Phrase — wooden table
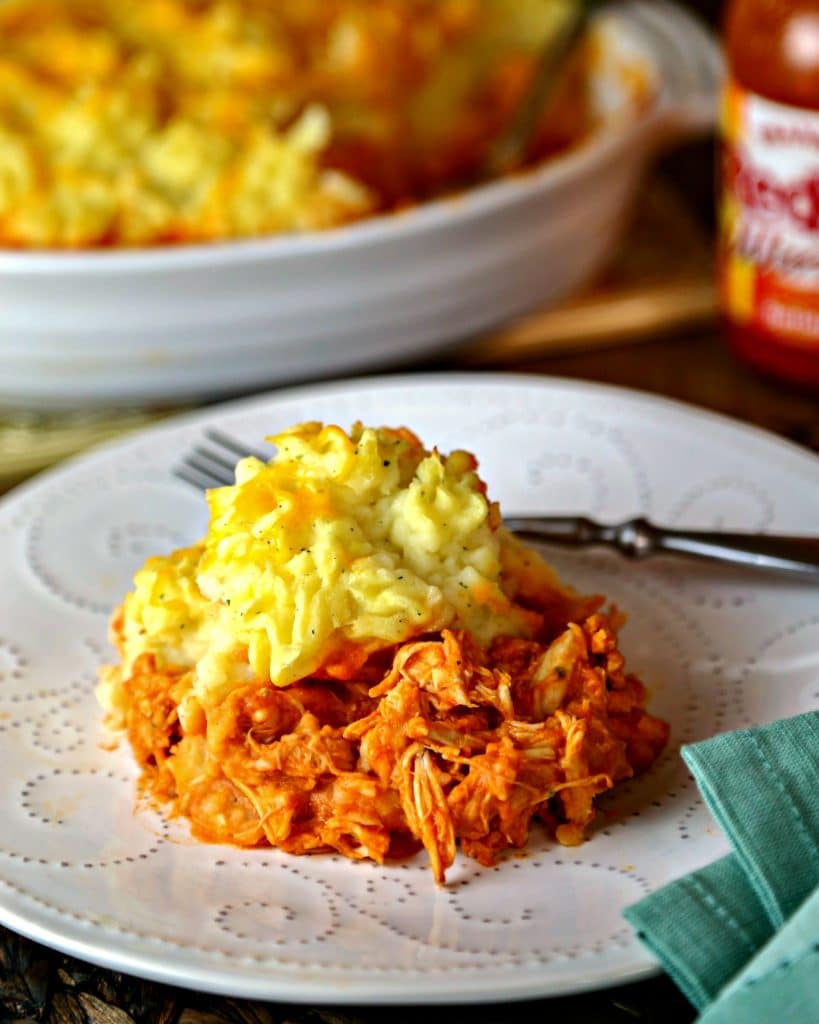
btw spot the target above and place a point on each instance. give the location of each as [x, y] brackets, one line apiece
[37, 984]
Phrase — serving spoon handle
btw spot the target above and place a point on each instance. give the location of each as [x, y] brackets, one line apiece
[507, 151]
[640, 538]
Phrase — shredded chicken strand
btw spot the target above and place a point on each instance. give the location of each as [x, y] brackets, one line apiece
[455, 746]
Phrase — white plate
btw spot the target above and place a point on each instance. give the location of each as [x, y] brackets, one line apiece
[80, 870]
[177, 322]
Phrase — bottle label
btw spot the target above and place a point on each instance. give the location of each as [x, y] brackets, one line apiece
[769, 217]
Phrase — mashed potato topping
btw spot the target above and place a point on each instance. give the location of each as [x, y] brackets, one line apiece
[359, 657]
[152, 122]
[340, 546]
[167, 121]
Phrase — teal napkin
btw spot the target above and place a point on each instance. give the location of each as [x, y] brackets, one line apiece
[741, 936]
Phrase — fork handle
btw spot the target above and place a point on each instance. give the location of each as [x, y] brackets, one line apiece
[639, 538]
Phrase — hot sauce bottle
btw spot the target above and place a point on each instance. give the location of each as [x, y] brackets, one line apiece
[769, 211]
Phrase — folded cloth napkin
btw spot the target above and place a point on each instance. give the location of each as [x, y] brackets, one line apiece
[741, 936]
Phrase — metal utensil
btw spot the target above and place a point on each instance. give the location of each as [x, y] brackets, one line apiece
[212, 464]
[509, 149]
[640, 538]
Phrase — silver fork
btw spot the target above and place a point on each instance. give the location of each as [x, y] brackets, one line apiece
[212, 463]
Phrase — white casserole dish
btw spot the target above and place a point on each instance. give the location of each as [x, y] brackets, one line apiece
[173, 324]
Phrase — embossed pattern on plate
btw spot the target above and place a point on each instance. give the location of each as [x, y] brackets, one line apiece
[80, 869]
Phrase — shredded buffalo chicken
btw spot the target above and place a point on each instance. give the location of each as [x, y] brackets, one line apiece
[448, 745]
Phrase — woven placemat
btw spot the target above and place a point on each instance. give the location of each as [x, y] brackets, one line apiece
[31, 441]
[37, 984]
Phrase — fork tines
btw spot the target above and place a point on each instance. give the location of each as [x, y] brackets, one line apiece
[213, 464]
